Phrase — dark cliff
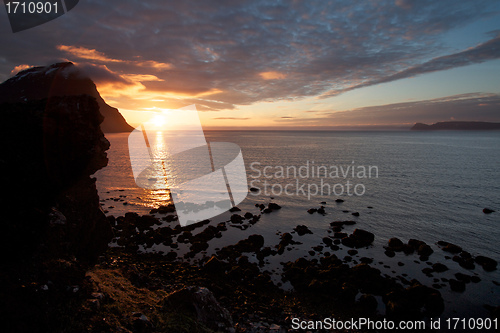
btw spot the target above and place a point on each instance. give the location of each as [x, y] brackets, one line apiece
[53, 229]
[457, 126]
[61, 79]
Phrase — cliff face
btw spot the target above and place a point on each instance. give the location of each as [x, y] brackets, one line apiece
[61, 79]
[53, 229]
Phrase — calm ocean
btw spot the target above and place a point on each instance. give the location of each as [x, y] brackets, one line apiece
[426, 185]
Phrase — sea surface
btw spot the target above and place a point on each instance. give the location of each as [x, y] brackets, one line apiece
[429, 186]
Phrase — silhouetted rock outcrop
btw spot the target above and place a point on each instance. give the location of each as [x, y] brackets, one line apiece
[61, 79]
[457, 126]
[53, 229]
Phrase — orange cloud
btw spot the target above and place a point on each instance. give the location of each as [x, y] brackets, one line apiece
[19, 68]
[84, 53]
[92, 54]
[272, 75]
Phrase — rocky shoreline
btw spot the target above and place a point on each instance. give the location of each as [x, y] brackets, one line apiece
[241, 284]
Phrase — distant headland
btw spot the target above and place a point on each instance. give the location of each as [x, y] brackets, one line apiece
[457, 126]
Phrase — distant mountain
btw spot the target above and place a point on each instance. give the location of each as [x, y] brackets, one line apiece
[457, 126]
[61, 79]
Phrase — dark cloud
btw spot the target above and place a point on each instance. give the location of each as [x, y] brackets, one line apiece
[196, 47]
[483, 52]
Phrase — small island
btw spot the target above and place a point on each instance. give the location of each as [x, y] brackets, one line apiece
[457, 126]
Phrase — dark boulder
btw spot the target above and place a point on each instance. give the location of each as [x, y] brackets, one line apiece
[359, 238]
[488, 211]
[425, 250]
[214, 266]
[439, 268]
[452, 248]
[252, 244]
[488, 264]
[199, 304]
[302, 230]
[456, 285]
[273, 206]
[395, 244]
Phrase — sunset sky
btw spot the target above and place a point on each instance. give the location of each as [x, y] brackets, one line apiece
[279, 64]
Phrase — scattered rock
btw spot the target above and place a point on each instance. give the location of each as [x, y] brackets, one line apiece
[488, 264]
[389, 253]
[302, 230]
[439, 268]
[425, 250]
[359, 238]
[488, 211]
[395, 243]
[273, 206]
[200, 304]
[455, 285]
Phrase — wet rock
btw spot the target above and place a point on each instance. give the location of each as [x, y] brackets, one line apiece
[467, 263]
[342, 223]
[254, 189]
[198, 247]
[359, 238]
[248, 215]
[488, 264]
[340, 235]
[452, 248]
[463, 277]
[488, 211]
[475, 279]
[321, 210]
[456, 285]
[327, 241]
[355, 214]
[170, 208]
[318, 248]
[390, 253]
[312, 210]
[339, 200]
[302, 230]
[415, 243]
[235, 218]
[234, 209]
[366, 260]
[439, 268]
[251, 244]
[273, 206]
[395, 244]
[425, 250]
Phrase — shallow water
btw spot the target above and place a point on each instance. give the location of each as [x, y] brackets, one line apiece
[430, 186]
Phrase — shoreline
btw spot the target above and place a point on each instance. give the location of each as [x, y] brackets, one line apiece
[319, 282]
